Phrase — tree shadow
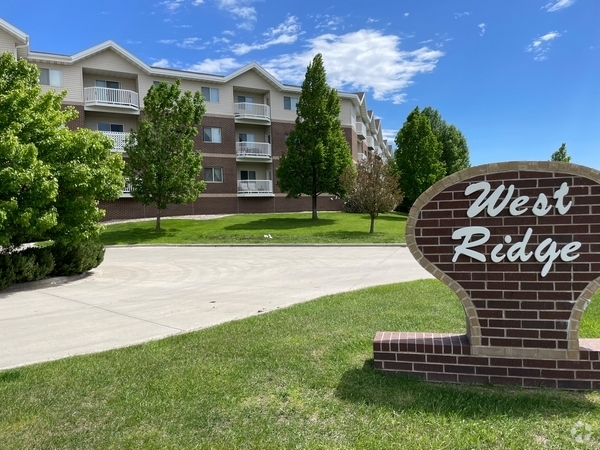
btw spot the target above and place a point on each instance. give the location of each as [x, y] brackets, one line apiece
[135, 235]
[405, 393]
[281, 223]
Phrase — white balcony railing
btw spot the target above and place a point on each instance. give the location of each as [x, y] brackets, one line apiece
[252, 111]
[361, 130]
[118, 138]
[362, 157]
[100, 96]
[370, 142]
[255, 186]
[253, 149]
[126, 191]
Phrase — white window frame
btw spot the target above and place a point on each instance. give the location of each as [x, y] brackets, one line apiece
[104, 84]
[212, 171]
[248, 173]
[54, 77]
[212, 137]
[293, 103]
[110, 126]
[210, 94]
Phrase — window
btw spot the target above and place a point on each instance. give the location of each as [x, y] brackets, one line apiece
[213, 174]
[108, 84]
[116, 127]
[290, 102]
[247, 174]
[212, 134]
[245, 137]
[210, 94]
[156, 83]
[51, 77]
[245, 99]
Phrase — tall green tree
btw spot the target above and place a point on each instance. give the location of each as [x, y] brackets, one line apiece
[317, 151]
[371, 188]
[455, 151]
[163, 166]
[51, 177]
[418, 157]
[561, 154]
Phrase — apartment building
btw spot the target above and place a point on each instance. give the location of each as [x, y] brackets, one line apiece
[249, 113]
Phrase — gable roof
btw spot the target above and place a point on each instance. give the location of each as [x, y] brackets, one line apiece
[14, 32]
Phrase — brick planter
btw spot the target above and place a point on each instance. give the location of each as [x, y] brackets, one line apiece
[524, 265]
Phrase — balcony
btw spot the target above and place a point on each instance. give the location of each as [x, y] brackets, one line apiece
[370, 142]
[118, 138]
[255, 188]
[255, 113]
[126, 191]
[361, 130]
[362, 157]
[253, 151]
[108, 99]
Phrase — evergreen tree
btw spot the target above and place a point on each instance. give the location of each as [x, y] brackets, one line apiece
[418, 157]
[561, 154]
[317, 151]
[163, 165]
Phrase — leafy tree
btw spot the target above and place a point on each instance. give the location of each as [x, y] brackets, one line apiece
[163, 165]
[455, 151]
[317, 151]
[51, 177]
[371, 188]
[418, 157]
[561, 154]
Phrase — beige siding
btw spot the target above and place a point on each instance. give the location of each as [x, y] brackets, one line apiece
[259, 132]
[89, 80]
[128, 121]
[7, 43]
[225, 104]
[259, 168]
[110, 61]
[251, 79]
[277, 111]
[71, 81]
[347, 112]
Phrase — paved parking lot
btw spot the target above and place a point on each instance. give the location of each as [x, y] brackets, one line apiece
[143, 293]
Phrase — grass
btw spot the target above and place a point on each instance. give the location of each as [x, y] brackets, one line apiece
[297, 228]
[300, 377]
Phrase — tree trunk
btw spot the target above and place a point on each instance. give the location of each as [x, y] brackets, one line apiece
[157, 220]
[314, 208]
[372, 224]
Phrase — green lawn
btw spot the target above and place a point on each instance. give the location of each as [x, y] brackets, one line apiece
[297, 228]
[299, 377]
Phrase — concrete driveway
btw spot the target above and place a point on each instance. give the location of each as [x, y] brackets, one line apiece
[143, 293]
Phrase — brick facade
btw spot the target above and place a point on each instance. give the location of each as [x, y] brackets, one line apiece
[514, 309]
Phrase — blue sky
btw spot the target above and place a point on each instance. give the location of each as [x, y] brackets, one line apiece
[517, 77]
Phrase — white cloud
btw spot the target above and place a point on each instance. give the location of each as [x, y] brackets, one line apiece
[197, 2]
[131, 41]
[172, 5]
[406, 14]
[241, 9]
[286, 32]
[190, 43]
[352, 64]
[215, 66]
[164, 63]
[461, 14]
[167, 41]
[389, 134]
[558, 5]
[541, 45]
[371, 20]
[328, 21]
[481, 29]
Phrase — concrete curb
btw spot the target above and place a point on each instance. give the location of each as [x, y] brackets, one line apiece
[253, 245]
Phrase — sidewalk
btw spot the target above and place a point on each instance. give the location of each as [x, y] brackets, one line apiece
[143, 293]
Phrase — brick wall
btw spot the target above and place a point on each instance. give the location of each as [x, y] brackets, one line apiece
[513, 309]
[79, 122]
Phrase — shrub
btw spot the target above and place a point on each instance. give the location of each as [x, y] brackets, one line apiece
[74, 258]
[30, 264]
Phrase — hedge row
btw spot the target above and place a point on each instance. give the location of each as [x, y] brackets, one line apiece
[36, 263]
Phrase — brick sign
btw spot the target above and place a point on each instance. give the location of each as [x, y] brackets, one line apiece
[519, 243]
